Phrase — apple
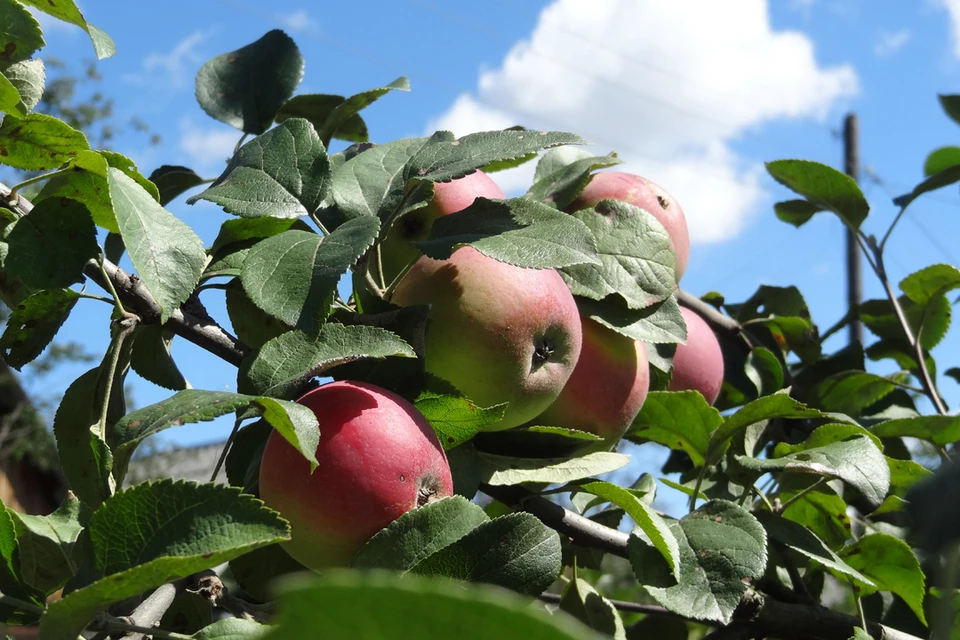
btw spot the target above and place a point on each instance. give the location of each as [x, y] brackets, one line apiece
[607, 388]
[636, 190]
[497, 332]
[379, 458]
[698, 364]
[397, 249]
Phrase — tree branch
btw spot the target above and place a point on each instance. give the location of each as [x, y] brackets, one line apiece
[720, 323]
[190, 322]
[757, 614]
[149, 612]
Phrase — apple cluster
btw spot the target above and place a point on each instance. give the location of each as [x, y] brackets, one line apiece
[500, 334]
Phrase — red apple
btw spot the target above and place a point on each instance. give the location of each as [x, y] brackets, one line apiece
[379, 458]
[397, 250]
[607, 388]
[635, 190]
[698, 364]
[497, 332]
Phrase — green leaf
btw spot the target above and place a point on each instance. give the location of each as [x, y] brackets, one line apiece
[245, 88]
[722, 549]
[293, 275]
[67, 11]
[776, 405]
[506, 470]
[636, 255]
[922, 286]
[943, 178]
[796, 212]
[283, 173]
[519, 231]
[155, 533]
[938, 430]
[49, 248]
[930, 320]
[442, 159]
[515, 551]
[940, 159]
[84, 456]
[562, 185]
[238, 231]
[652, 525]
[151, 357]
[172, 180]
[455, 418]
[90, 185]
[819, 509]
[857, 461]
[340, 602]
[851, 391]
[27, 78]
[233, 629]
[556, 159]
[824, 186]
[826, 434]
[33, 323]
[10, 98]
[679, 420]
[806, 543]
[346, 111]
[253, 326]
[891, 565]
[285, 363]
[45, 545]
[951, 106]
[586, 605]
[10, 581]
[419, 533]
[166, 253]
[317, 107]
[20, 35]
[904, 474]
[38, 142]
[372, 183]
[660, 323]
[295, 422]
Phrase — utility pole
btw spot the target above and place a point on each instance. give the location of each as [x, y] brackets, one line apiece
[851, 166]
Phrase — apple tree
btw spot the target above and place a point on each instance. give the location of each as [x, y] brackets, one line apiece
[512, 343]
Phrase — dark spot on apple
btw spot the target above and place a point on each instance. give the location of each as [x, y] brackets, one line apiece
[543, 352]
[403, 478]
[664, 204]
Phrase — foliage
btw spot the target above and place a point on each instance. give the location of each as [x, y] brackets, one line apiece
[802, 476]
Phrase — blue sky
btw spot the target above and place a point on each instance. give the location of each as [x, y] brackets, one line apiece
[694, 94]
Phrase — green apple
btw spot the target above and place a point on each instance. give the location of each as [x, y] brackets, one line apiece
[698, 364]
[379, 458]
[650, 197]
[607, 388]
[497, 332]
[397, 249]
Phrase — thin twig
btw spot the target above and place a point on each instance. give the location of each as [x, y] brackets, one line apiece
[226, 449]
[623, 605]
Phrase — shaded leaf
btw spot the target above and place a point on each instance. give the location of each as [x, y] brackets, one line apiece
[21, 34]
[347, 110]
[293, 275]
[942, 178]
[49, 248]
[940, 159]
[33, 323]
[561, 186]
[796, 212]
[151, 358]
[67, 11]
[317, 107]
[505, 470]
[419, 533]
[28, 78]
[660, 323]
[45, 544]
[172, 180]
[586, 605]
[245, 88]
[891, 565]
[285, 363]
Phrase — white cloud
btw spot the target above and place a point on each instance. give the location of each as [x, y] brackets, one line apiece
[669, 97]
[208, 148]
[170, 69]
[953, 8]
[298, 21]
[889, 42]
